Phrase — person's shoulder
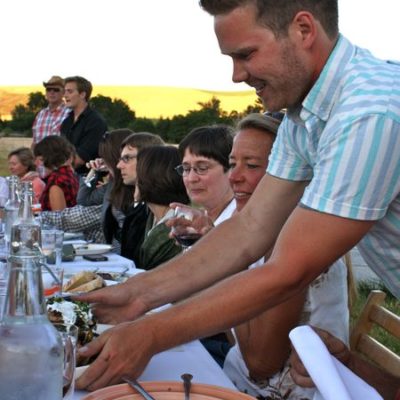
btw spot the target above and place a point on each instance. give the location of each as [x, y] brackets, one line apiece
[89, 111]
[37, 181]
[93, 115]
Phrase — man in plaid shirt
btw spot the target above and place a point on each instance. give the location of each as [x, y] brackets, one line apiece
[85, 219]
[48, 121]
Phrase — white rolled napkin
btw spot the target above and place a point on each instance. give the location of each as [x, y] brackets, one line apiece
[333, 380]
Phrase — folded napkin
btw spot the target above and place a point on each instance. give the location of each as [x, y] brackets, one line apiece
[333, 380]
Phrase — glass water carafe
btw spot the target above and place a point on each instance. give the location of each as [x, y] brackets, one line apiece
[25, 235]
[31, 352]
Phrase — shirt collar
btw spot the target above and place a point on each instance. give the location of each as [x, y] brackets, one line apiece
[60, 107]
[323, 95]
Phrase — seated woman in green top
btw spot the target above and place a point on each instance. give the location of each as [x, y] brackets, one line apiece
[158, 185]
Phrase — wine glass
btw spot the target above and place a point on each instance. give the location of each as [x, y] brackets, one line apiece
[189, 225]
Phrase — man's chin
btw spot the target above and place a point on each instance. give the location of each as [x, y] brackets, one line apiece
[270, 105]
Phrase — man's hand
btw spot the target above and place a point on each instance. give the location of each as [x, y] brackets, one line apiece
[114, 304]
[122, 350]
[335, 346]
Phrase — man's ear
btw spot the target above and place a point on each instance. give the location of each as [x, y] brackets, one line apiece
[304, 26]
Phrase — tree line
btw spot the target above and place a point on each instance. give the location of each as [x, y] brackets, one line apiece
[118, 115]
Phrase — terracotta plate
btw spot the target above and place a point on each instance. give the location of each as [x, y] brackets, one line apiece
[167, 391]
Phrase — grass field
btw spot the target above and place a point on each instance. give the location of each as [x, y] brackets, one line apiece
[146, 101]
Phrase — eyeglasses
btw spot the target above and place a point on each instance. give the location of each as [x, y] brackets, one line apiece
[184, 169]
[126, 158]
[53, 89]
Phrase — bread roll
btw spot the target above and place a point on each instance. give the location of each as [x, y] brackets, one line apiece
[84, 281]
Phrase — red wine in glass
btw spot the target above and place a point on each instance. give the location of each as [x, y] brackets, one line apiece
[187, 239]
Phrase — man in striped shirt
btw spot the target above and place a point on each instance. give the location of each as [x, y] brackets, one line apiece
[48, 121]
[333, 181]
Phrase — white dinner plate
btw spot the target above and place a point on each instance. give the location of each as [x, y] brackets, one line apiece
[91, 249]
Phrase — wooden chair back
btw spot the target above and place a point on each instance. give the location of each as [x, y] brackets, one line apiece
[375, 314]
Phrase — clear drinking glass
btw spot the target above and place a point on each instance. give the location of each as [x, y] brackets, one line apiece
[53, 272]
[189, 225]
[69, 337]
[3, 201]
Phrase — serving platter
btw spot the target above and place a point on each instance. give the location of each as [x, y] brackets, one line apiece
[91, 249]
[167, 391]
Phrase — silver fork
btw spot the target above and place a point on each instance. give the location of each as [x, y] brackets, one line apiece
[138, 387]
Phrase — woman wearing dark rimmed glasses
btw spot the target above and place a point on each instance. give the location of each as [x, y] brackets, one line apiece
[204, 169]
[205, 172]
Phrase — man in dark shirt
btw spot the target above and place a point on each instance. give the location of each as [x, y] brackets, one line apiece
[84, 127]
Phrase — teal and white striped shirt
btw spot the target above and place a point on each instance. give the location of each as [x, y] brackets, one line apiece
[346, 141]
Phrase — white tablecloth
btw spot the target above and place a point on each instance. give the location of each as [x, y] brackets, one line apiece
[170, 365]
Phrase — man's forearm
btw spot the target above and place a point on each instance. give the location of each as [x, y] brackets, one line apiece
[227, 249]
[209, 261]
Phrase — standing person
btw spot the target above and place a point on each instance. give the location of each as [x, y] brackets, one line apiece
[333, 182]
[48, 121]
[84, 127]
[55, 154]
[22, 164]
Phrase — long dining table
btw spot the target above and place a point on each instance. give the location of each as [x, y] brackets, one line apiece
[169, 365]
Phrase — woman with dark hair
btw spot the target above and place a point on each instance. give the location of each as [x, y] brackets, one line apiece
[205, 165]
[158, 185]
[115, 197]
[205, 172]
[22, 164]
[55, 153]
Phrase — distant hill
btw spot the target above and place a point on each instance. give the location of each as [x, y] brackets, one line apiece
[146, 101]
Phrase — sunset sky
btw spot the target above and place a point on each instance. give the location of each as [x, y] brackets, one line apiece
[148, 42]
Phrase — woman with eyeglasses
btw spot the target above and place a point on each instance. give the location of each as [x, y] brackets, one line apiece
[204, 169]
[205, 172]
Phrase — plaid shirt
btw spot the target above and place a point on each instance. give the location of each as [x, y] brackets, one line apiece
[65, 178]
[48, 122]
[77, 219]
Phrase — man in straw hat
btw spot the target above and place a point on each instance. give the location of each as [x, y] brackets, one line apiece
[48, 120]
